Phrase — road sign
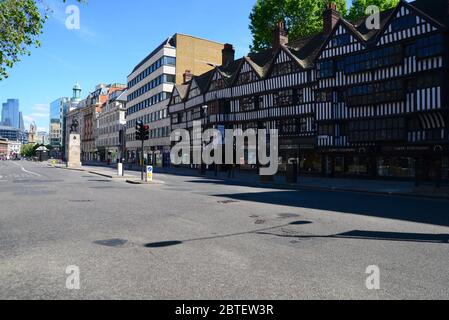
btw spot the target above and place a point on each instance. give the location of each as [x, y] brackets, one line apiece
[149, 173]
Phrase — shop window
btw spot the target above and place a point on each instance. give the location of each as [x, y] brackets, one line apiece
[396, 167]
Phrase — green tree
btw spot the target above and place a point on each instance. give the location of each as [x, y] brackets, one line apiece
[28, 151]
[358, 7]
[21, 23]
[302, 18]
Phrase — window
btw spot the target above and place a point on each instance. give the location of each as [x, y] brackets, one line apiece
[247, 77]
[326, 69]
[217, 84]
[285, 97]
[430, 46]
[288, 126]
[284, 68]
[374, 93]
[341, 40]
[323, 96]
[370, 60]
[403, 23]
[377, 130]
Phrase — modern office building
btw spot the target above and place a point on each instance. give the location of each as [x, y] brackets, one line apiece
[13, 134]
[111, 120]
[348, 101]
[58, 110]
[11, 114]
[151, 83]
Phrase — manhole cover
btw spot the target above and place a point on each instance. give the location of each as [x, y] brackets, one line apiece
[112, 242]
[288, 215]
[227, 201]
[80, 201]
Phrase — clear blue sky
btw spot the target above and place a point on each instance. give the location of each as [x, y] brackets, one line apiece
[114, 36]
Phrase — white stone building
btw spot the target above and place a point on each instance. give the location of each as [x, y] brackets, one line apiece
[110, 121]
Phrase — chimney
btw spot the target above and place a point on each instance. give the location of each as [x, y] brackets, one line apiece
[280, 35]
[228, 55]
[330, 17]
[187, 76]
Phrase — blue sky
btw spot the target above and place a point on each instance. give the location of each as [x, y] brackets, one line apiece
[114, 36]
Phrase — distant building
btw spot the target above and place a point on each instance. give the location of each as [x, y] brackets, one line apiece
[11, 114]
[95, 102]
[58, 110]
[43, 138]
[111, 120]
[3, 147]
[151, 83]
[14, 149]
[21, 123]
[32, 138]
[13, 134]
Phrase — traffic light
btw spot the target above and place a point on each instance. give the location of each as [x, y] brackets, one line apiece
[139, 130]
[146, 132]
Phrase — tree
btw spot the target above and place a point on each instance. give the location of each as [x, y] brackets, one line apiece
[302, 18]
[21, 23]
[359, 7]
[28, 151]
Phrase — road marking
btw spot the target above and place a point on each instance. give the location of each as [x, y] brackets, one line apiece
[25, 170]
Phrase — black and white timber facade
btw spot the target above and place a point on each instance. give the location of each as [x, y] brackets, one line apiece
[349, 101]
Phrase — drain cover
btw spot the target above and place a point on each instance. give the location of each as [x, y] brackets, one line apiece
[80, 201]
[227, 201]
[111, 242]
[288, 215]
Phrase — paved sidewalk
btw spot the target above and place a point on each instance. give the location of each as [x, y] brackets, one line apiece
[383, 187]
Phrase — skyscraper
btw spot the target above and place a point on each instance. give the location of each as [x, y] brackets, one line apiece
[21, 123]
[10, 113]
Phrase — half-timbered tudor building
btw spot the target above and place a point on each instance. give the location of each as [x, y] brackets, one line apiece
[349, 101]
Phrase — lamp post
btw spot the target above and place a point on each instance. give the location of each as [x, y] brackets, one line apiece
[203, 166]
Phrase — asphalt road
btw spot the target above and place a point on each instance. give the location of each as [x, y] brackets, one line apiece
[202, 239]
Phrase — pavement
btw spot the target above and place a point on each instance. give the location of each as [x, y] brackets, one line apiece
[205, 238]
[383, 187]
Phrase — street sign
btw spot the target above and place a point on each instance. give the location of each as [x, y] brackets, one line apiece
[149, 173]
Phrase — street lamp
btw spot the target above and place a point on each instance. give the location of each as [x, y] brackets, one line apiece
[203, 166]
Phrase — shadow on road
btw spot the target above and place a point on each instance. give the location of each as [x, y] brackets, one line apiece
[376, 235]
[418, 210]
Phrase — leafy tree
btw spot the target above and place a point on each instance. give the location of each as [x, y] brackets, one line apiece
[302, 17]
[21, 23]
[28, 151]
[358, 7]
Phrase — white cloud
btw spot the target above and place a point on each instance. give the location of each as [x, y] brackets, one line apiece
[41, 108]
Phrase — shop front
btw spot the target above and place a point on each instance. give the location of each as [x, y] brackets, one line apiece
[425, 163]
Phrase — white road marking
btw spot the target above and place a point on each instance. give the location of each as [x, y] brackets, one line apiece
[25, 170]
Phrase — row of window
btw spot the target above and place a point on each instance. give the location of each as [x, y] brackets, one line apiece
[295, 126]
[149, 118]
[164, 61]
[148, 102]
[165, 78]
